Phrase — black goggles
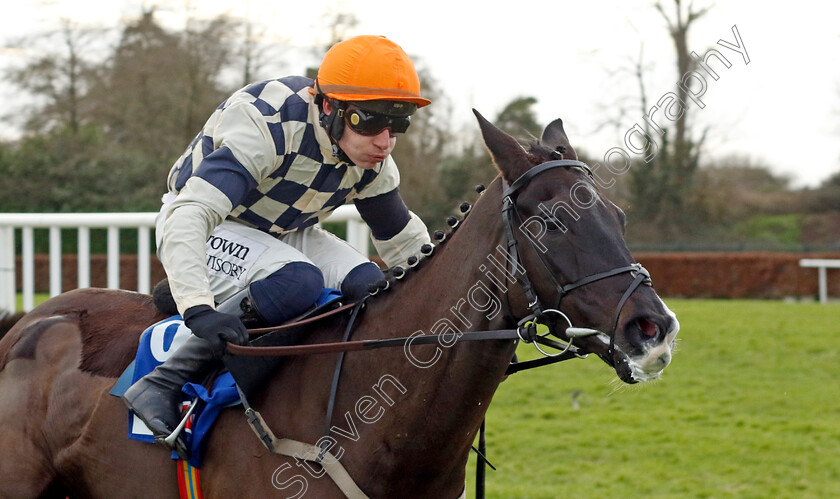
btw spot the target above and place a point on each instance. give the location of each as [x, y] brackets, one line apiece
[369, 123]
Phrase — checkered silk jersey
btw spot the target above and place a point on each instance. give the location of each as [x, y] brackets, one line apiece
[265, 151]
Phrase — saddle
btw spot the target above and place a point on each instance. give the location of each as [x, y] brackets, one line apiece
[251, 372]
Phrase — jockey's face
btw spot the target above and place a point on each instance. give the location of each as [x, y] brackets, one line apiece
[366, 151]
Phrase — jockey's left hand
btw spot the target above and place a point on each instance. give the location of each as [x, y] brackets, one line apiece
[216, 327]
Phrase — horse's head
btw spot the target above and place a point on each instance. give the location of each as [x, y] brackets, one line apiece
[570, 241]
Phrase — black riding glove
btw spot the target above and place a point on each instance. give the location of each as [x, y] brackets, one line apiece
[216, 327]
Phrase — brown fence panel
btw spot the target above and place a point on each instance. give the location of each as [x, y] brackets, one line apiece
[98, 272]
[736, 275]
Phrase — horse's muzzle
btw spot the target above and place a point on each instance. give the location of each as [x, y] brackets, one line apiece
[645, 347]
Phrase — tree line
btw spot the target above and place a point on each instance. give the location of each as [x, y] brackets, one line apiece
[106, 124]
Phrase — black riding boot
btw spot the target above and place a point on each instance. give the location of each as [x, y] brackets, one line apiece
[156, 397]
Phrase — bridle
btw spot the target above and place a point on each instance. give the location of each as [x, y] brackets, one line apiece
[512, 220]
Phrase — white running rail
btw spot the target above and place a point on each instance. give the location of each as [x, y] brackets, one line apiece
[357, 235]
[822, 265]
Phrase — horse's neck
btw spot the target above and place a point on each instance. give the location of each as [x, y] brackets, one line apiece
[447, 388]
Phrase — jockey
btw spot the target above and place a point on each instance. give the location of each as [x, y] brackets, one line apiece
[237, 234]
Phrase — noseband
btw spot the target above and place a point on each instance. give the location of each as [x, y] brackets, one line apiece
[511, 218]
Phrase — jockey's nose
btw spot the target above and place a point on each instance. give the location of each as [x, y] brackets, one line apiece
[382, 140]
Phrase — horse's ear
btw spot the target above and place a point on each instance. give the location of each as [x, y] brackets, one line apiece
[555, 137]
[509, 156]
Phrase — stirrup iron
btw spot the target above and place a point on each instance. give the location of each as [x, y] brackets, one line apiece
[172, 440]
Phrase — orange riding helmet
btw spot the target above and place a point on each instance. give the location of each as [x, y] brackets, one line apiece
[367, 68]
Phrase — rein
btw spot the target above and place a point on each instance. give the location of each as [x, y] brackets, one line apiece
[526, 332]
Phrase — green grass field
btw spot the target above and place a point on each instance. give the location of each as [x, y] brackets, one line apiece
[749, 408]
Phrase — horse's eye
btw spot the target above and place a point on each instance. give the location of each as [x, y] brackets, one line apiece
[552, 224]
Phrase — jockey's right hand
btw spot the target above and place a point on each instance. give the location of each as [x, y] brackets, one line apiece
[216, 327]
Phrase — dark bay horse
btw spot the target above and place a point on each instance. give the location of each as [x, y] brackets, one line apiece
[404, 418]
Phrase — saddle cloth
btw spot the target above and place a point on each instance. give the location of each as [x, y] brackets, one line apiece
[157, 343]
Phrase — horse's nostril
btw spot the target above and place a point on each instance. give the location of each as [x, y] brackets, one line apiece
[648, 328]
